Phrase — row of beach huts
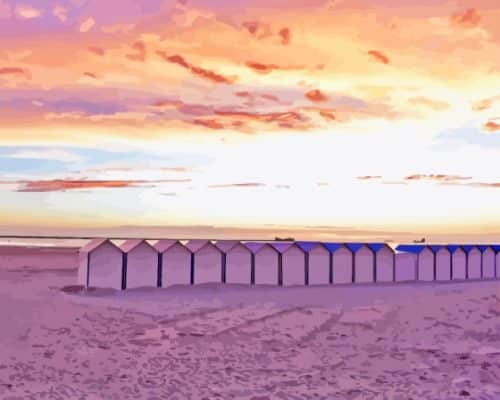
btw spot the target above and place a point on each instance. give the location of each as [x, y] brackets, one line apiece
[123, 264]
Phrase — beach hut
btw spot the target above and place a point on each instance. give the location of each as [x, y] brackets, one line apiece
[236, 260]
[496, 249]
[174, 261]
[140, 264]
[458, 262]
[473, 260]
[206, 261]
[342, 263]
[100, 264]
[442, 262]
[384, 262]
[407, 261]
[363, 262]
[487, 261]
[265, 263]
[291, 263]
[317, 263]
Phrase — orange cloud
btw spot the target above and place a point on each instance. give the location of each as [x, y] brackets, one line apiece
[469, 18]
[96, 50]
[379, 56]
[368, 177]
[437, 177]
[329, 116]
[491, 126]
[69, 184]
[435, 105]
[12, 71]
[285, 36]
[201, 72]
[261, 68]
[257, 29]
[90, 75]
[316, 95]
[140, 47]
[209, 123]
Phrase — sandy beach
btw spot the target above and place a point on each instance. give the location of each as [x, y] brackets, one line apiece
[426, 341]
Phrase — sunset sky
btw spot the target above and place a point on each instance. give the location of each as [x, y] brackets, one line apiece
[319, 119]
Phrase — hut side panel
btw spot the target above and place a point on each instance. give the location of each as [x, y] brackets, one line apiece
[385, 265]
[266, 267]
[293, 263]
[497, 264]
[208, 265]
[342, 266]
[426, 265]
[474, 264]
[238, 265]
[105, 267]
[458, 261]
[405, 267]
[319, 266]
[176, 266]
[443, 265]
[142, 267]
[364, 263]
[488, 264]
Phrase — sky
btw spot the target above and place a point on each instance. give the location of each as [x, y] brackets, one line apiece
[316, 119]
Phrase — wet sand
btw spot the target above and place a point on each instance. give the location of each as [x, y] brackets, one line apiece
[426, 341]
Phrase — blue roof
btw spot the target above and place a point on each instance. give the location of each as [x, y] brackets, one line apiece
[483, 247]
[331, 247]
[354, 247]
[411, 248]
[282, 246]
[376, 246]
[496, 247]
[454, 247]
[468, 247]
[307, 246]
[436, 247]
[255, 247]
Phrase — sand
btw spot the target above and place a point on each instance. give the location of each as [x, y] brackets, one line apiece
[409, 341]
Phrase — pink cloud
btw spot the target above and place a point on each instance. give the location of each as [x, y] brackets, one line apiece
[87, 25]
[316, 95]
[469, 18]
[140, 54]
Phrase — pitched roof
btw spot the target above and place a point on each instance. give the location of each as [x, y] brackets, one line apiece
[226, 245]
[95, 243]
[468, 247]
[130, 244]
[255, 247]
[332, 247]
[281, 247]
[483, 247]
[454, 247]
[411, 248]
[308, 246]
[378, 246]
[197, 244]
[164, 244]
[354, 247]
[436, 247]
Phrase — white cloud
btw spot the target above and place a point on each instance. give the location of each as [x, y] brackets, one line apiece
[87, 25]
[60, 12]
[54, 155]
[27, 12]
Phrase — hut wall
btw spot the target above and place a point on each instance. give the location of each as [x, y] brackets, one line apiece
[458, 262]
[488, 264]
[443, 265]
[142, 267]
[405, 267]
[238, 265]
[207, 265]
[176, 266]
[426, 265]
[319, 266]
[105, 267]
[364, 265]
[342, 266]
[385, 265]
[293, 267]
[266, 267]
[474, 264]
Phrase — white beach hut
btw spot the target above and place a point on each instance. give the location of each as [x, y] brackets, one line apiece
[140, 263]
[496, 249]
[443, 265]
[342, 263]
[207, 261]
[237, 261]
[291, 260]
[100, 264]
[384, 262]
[317, 263]
[265, 263]
[174, 261]
[407, 261]
[458, 262]
[473, 259]
[364, 262]
[488, 261]
[426, 264]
